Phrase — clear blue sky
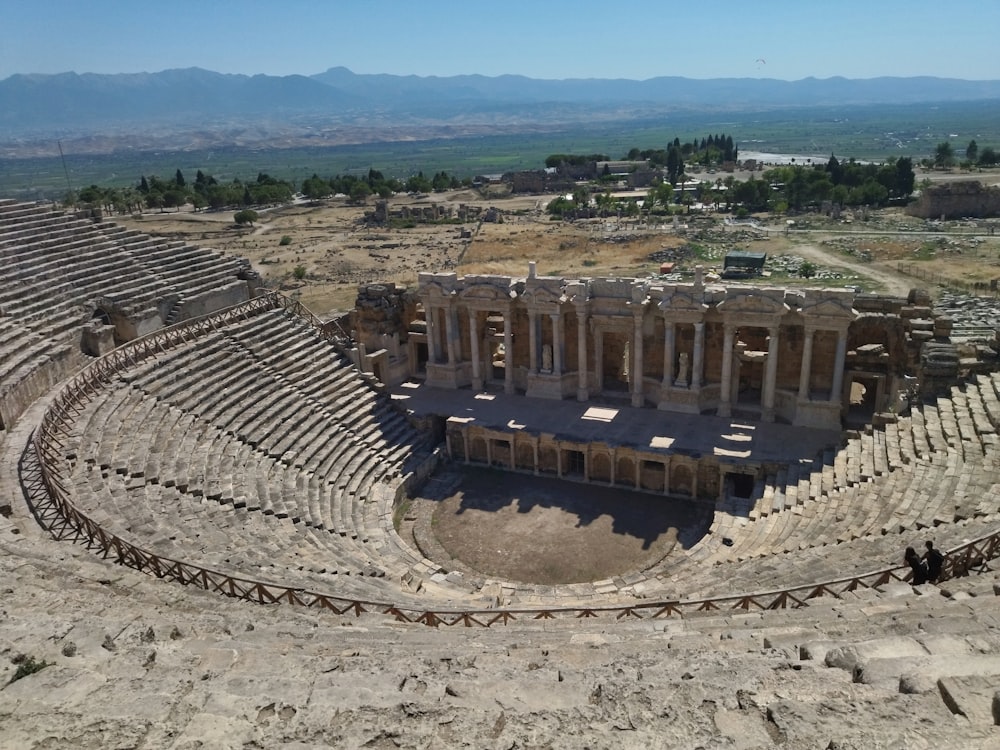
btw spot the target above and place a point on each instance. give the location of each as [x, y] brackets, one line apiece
[542, 38]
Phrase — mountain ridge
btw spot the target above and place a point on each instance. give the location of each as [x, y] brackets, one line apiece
[252, 108]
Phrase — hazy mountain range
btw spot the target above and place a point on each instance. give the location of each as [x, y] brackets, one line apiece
[201, 101]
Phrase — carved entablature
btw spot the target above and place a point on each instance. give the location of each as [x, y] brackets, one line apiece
[487, 292]
[828, 309]
[543, 294]
[437, 287]
[683, 304]
[753, 307]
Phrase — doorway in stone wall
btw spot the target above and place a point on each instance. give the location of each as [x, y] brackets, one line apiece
[616, 367]
[864, 397]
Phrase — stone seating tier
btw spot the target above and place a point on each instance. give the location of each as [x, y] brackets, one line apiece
[57, 268]
[180, 421]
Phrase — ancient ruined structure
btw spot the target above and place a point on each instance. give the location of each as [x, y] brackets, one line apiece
[75, 288]
[955, 200]
[200, 548]
[769, 354]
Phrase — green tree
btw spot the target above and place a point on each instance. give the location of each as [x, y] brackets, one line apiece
[988, 157]
[972, 151]
[174, 198]
[315, 188]
[179, 179]
[246, 216]
[675, 164]
[944, 155]
[359, 192]
[659, 195]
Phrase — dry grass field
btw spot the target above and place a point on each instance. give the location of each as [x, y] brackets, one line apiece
[334, 249]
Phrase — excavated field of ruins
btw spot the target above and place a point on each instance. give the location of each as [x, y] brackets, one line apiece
[336, 250]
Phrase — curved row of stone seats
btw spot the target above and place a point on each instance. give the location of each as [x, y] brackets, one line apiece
[801, 567]
[930, 469]
[58, 269]
[803, 670]
[223, 422]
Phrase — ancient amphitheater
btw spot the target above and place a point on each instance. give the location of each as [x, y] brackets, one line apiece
[205, 539]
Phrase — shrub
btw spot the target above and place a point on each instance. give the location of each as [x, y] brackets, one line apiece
[299, 272]
[285, 240]
[27, 666]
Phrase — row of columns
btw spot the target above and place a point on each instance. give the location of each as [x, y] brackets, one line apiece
[453, 350]
[771, 369]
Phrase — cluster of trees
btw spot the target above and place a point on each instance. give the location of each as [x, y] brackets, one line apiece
[205, 192]
[848, 184]
[573, 160]
[375, 183]
[796, 186]
[709, 151]
[944, 156]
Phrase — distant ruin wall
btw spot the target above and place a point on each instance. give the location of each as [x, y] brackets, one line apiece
[954, 200]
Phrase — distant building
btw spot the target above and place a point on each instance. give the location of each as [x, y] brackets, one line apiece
[953, 200]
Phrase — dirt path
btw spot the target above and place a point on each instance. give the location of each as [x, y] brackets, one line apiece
[891, 280]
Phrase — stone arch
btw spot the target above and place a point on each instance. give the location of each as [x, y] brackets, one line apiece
[477, 448]
[600, 467]
[524, 454]
[681, 480]
[625, 471]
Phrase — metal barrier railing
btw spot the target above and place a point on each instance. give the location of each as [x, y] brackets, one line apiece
[52, 434]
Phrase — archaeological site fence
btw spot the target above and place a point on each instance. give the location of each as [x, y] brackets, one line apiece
[52, 434]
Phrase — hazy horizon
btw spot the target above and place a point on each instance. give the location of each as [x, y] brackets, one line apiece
[557, 40]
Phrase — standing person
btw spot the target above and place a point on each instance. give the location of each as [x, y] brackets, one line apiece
[916, 565]
[934, 560]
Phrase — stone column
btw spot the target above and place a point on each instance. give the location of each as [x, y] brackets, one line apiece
[725, 392]
[451, 334]
[599, 359]
[637, 366]
[669, 334]
[582, 392]
[432, 349]
[532, 341]
[838, 366]
[557, 345]
[465, 445]
[805, 372]
[477, 377]
[513, 457]
[771, 374]
[489, 450]
[508, 352]
[698, 365]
